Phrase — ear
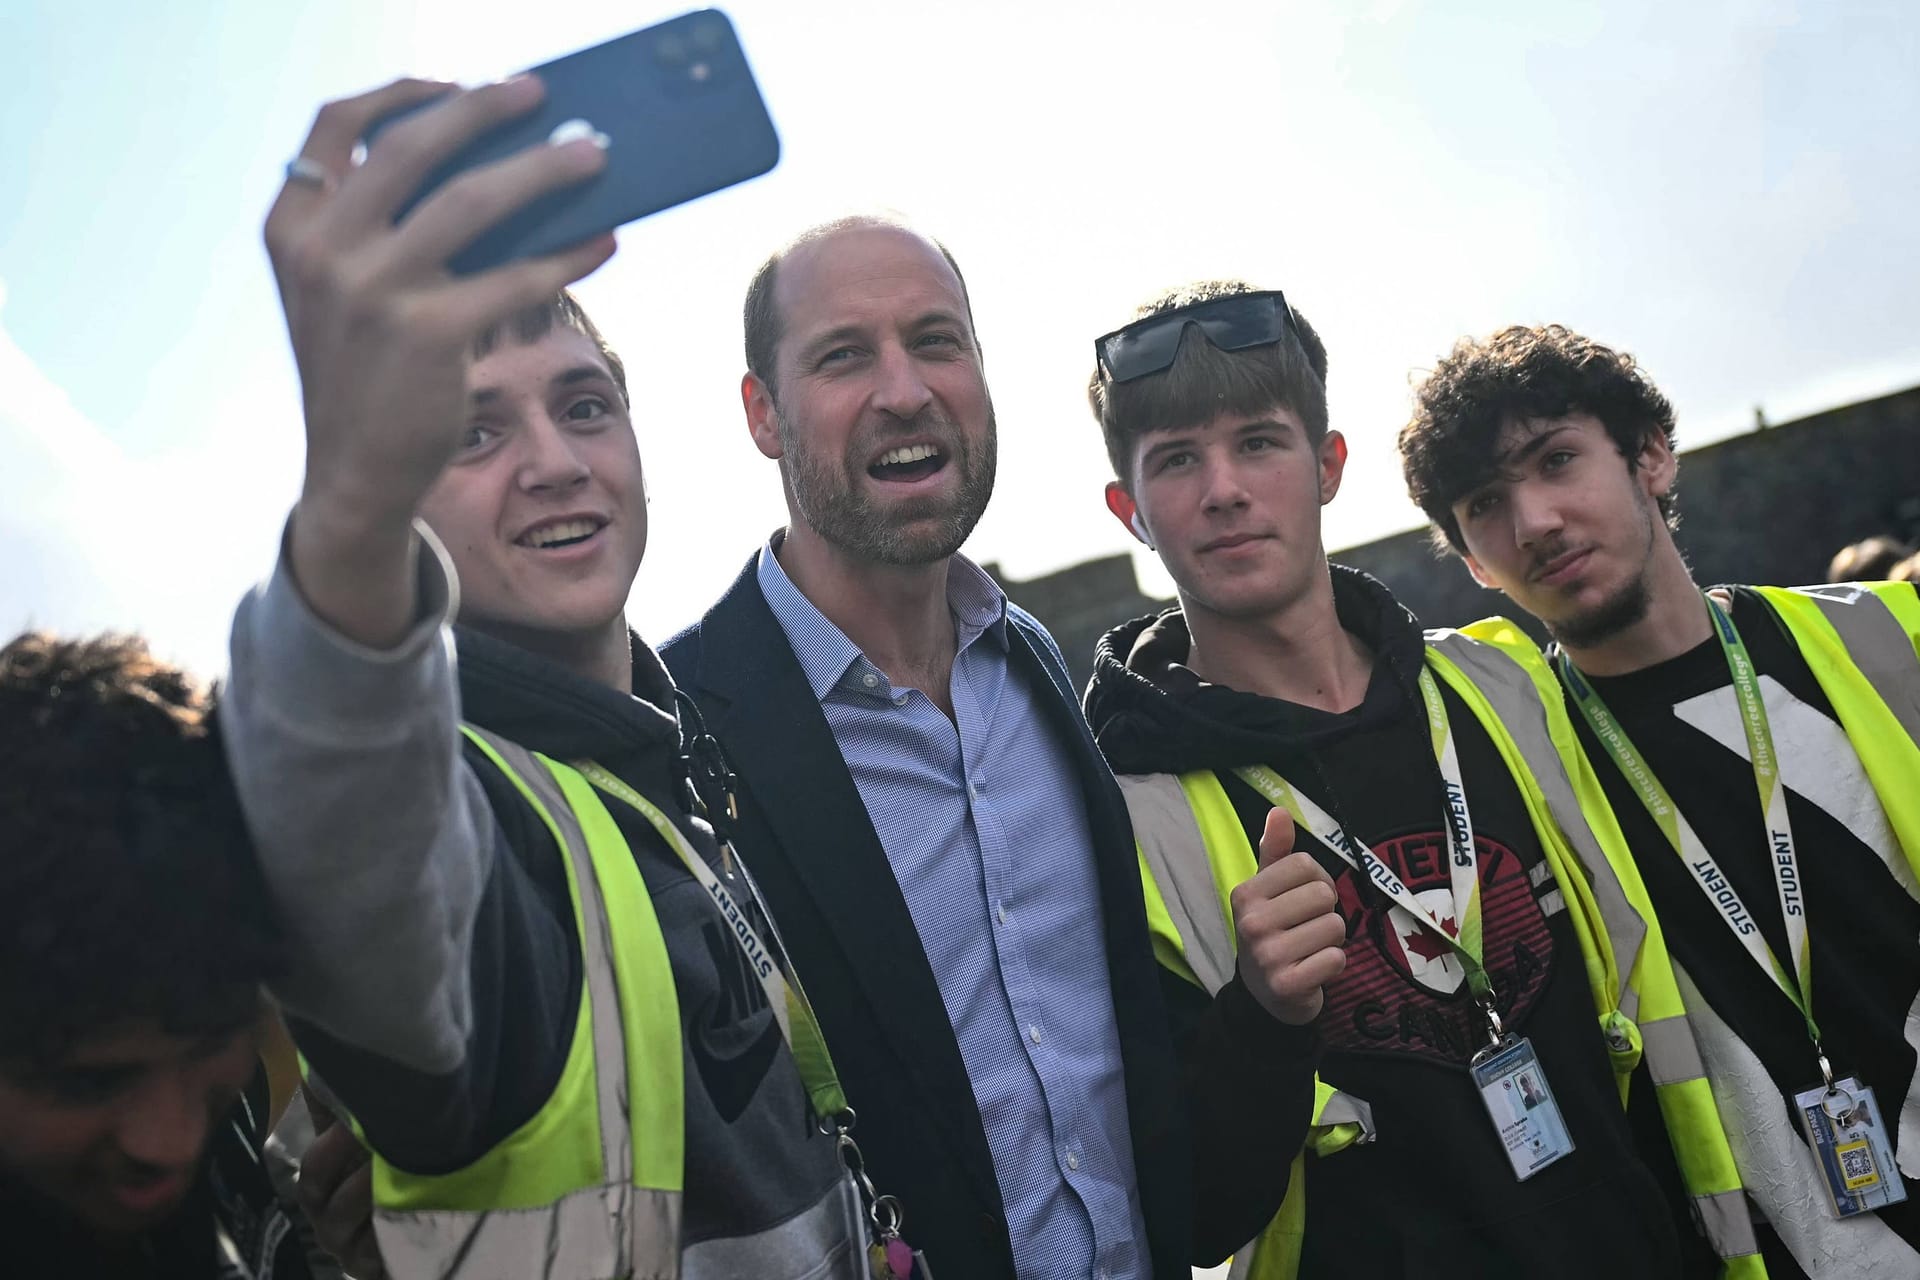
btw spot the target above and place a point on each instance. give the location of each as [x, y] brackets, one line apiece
[1127, 512]
[1333, 465]
[763, 418]
[1657, 464]
[1480, 575]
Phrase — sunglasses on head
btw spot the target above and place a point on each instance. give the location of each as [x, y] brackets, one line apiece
[1233, 323]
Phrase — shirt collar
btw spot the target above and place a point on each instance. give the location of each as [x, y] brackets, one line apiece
[826, 654]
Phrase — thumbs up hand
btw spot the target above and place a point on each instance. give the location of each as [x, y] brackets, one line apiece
[1291, 937]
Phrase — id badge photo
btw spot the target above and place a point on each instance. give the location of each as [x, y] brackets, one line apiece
[1520, 1103]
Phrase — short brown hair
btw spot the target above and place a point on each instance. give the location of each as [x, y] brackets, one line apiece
[1521, 373]
[1204, 381]
[535, 322]
[1868, 560]
[128, 885]
[761, 320]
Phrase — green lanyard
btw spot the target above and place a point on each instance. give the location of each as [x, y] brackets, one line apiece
[1784, 857]
[1462, 932]
[791, 1009]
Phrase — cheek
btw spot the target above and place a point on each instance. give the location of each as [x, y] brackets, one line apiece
[38, 1136]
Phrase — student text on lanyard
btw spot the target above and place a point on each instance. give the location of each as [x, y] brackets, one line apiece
[1507, 1074]
[1464, 862]
[799, 1027]
[1783, 855]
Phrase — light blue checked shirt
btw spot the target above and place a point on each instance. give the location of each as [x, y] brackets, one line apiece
[985, 827]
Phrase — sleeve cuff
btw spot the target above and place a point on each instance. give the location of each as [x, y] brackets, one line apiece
[318, 677]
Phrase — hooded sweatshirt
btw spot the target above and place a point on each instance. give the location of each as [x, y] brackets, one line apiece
[1434, 1193]
[437, 970]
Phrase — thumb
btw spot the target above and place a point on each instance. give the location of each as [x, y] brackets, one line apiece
[1276, 842]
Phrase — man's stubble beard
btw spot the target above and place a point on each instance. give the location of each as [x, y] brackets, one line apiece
[1625, 609]
[826, 494]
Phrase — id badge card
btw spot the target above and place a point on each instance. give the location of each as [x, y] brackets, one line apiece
[1843, 1126]
[1518, 1099]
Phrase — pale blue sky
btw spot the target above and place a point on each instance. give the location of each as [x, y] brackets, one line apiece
[1727, 189]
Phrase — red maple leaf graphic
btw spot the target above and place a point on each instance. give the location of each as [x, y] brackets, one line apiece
[1452, 929]
[1425, 945]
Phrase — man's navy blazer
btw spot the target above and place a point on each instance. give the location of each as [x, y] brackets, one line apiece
[806, 836]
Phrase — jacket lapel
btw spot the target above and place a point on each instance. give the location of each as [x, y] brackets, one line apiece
[810, 815]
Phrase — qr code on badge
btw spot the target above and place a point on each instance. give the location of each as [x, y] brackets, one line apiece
[1856, 1165]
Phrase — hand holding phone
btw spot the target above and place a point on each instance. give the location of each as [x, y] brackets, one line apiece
[676, 108]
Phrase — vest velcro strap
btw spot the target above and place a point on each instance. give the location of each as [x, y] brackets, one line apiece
[1672, 1054]
[1728, 1223]
[578, 1235]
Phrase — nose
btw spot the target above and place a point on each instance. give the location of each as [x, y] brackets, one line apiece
[1536, 514]
[1224, 490]
[551, 459]
[166, 1123]
[900, 389]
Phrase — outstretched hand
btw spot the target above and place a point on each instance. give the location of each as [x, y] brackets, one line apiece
[382, 331]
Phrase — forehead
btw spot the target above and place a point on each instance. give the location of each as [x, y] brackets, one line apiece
[523, 368]
[1229, 421]
[864, 276]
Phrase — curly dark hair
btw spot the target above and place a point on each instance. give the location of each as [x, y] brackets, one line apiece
[1204, 381]
[128, 887]
[1449, 448]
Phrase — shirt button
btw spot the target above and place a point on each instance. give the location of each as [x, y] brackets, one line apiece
[1073, 1161]
[870, 680]
[1001, 911]
[1033, 1033]
[899, 699]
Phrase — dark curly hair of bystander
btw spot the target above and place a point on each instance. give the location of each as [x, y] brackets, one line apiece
[128, 888]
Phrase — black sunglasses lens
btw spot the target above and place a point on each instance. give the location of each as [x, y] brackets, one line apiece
[1137, 351]
[1239, 323]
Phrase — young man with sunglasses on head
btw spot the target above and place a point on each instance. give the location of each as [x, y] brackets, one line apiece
[1464, 992]
[1759, 746]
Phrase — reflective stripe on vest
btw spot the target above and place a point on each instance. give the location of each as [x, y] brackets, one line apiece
[1190, 914]
[1518, 699]
[1502, 678]
[589, 1187]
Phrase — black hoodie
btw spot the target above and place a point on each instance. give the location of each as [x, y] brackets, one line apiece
[1434, 1193]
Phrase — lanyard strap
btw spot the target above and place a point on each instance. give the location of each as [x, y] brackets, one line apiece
[791, 1009]
[1784, 855]
[1462, 932]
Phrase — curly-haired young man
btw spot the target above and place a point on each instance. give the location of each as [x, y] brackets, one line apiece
[134, 937]
[1761, 748]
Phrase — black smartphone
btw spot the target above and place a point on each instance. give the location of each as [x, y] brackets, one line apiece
[682, 117]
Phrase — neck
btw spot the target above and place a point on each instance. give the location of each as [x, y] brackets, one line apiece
[603, 655]
[1675, 621]
[896, 614]
[1299, 653]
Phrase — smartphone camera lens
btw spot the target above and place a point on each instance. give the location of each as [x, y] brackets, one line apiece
[670, 51]
[707, 37]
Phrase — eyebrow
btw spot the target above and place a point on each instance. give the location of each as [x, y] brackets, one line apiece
[1514, 457]
[1182, 437]
[565, 378]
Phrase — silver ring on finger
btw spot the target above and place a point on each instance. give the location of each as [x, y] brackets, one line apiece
[309, 172]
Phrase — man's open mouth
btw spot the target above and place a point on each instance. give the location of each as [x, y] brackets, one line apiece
[908, 463]
[560, 533]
